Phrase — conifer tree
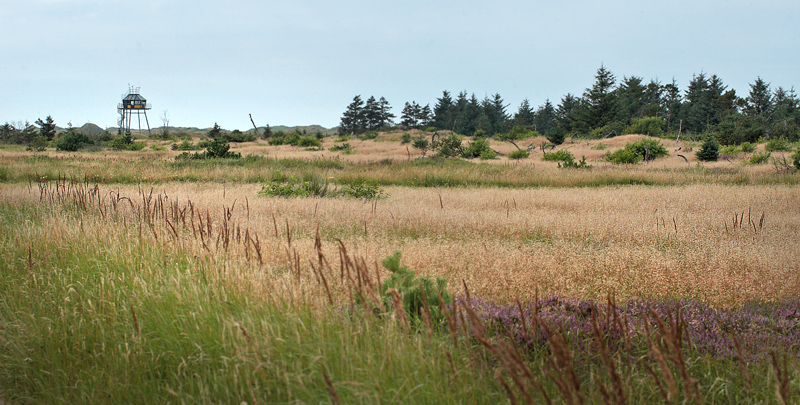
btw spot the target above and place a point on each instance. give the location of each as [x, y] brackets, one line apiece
[352, 121]
[524, 115]
[601, 100]
[444, 112]
[47, 128]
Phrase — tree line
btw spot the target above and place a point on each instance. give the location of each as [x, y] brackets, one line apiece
[609, 107]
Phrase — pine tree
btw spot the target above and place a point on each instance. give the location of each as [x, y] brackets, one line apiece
[444, 112]
[409, 115]
[467, 121]
[496, 115]
[569, 113]
[352, 121]
[709, 151]
[372, 114]
[426, 116]
[631, 99]
[601, 100]
[215, 131]
[672, 106]
[759, 103]
[386, 112]
[653, 100]
[47, 128]
[698, 107]
[545, 120]
[525, 114]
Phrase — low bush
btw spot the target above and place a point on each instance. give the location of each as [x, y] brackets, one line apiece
[343, 148]
[709, 150]
[652, 126]
[185, 145]
[623, 156]
[558, 156]
[519, 154]
[634, 152]
[71, 141]
[448, 146]
[418, 295]
[216, 149]
[406, 138]
[572, 164]
[312, 185]
[778, 145]
[759, 158]
[367, 189]
[479, 147]
[747, 147]
[238, 136]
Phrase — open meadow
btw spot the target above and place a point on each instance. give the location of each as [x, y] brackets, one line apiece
[135, 277]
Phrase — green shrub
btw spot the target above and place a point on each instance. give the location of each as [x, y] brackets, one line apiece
[634, 152]
[488, 154]
[556, 135]
[185, 145]
[71, 141]
[220, 149]
[342, 147]
[610, 130]
[449, 146]
[517, 133]
[367, 189]
[238, 136]
[421, 143]
[759, 158]
[309, 142]
[368, 135]
[709, 150]
[747, 147]
[648, 148]
[125, 142]
[624, 156]
[519, 154]
[38, 143]
[415, 292]
[729, 150]
[308, 186]
[652, 126]
[572, 164]
[157, 147]
[406, 138]
[796, 159]
[560, 155]
[778, 145]
[479, 147]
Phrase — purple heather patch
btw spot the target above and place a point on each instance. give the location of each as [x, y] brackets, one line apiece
[759, 327]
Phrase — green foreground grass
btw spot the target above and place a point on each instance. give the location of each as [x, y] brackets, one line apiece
[95, 311]
[109, 317]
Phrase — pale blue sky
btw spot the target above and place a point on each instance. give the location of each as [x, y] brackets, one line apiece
[301, 62]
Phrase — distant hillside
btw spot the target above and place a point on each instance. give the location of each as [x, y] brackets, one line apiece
[310, 129]
[90, 130]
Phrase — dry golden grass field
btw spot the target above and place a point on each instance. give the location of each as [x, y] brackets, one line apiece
[716, 241]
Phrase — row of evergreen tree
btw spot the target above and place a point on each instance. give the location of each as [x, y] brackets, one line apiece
[609, 107]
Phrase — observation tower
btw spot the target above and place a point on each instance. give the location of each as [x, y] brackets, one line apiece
[132, 104]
